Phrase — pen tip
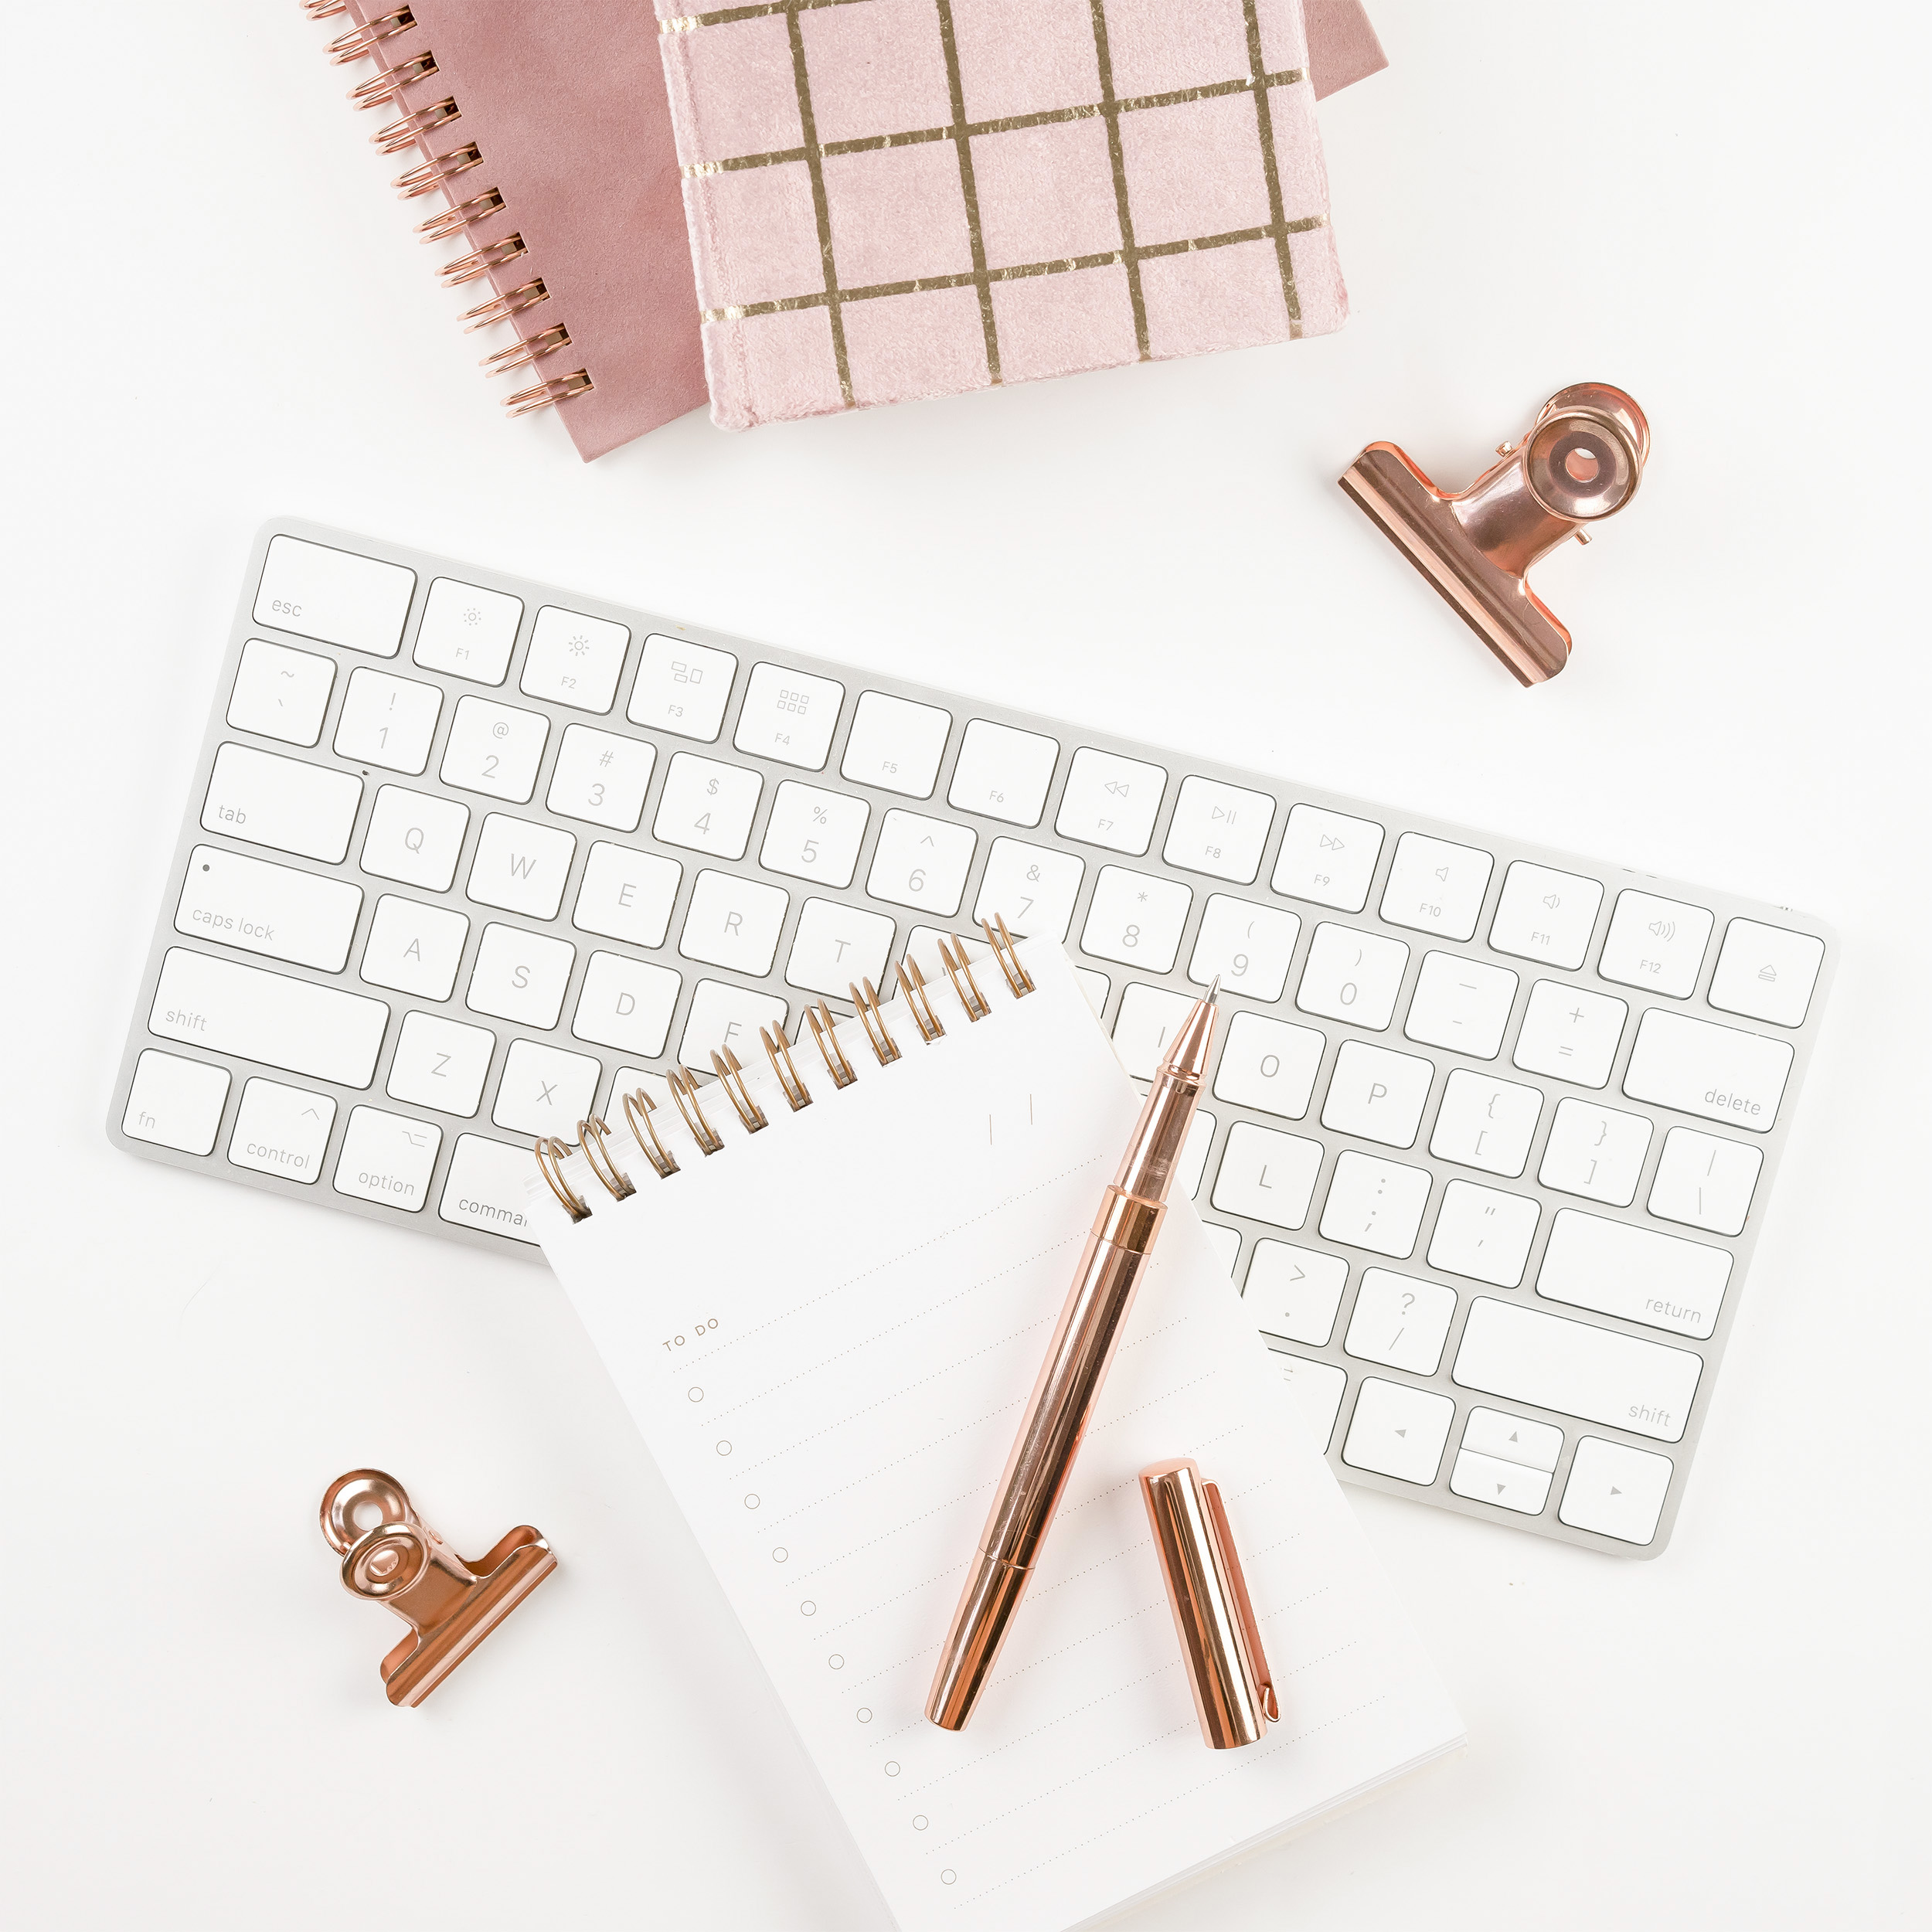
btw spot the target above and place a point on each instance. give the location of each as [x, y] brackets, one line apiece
[1213, 990]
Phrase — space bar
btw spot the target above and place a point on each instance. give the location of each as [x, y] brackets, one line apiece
[1578, 1370]
[284, 1022]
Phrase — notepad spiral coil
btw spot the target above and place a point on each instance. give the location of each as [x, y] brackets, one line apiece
[391, 37]
[593, 1140]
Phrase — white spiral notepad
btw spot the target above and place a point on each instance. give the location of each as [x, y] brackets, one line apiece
[826, 1333]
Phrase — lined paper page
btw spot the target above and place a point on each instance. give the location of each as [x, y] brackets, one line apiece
[827, 1333]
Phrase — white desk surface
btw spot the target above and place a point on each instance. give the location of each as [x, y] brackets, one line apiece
[219, 313]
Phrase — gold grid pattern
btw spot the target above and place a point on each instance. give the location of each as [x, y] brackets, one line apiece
[1257, 82]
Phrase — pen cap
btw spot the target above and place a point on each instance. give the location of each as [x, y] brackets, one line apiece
[1226, 1667]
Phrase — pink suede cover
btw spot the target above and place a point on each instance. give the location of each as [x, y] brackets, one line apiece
[893, 198]
[566, 100]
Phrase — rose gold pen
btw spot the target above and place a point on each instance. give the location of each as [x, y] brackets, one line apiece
[1131, 1211]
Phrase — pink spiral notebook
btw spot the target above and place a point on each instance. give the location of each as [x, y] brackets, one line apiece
[846, 203]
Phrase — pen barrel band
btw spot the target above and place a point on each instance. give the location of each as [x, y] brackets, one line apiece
[1128, 1221]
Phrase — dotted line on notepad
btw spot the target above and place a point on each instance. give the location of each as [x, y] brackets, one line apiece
[1006, 1677]
[944, 1234]
[879, 1334]
[1313, 1660]
[860, 1615]
[1266, 1751]
[1038, 1731]
[890, 1667]
[1179, 1320]
[1281, 1610]
[1113, 1422]
[884, 1535]
[1093, 1770]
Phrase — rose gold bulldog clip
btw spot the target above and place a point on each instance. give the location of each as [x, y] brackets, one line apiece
[1581, 462]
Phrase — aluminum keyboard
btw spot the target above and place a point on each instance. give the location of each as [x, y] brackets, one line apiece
[1492, 1128]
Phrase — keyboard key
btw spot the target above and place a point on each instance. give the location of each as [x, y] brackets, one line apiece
[1485, 1123]
[1660, 1280]
[279, 692]
[1375, 1204]
[334, 596]
[1269, 1064]
[1569, 1032]
[1246, 946]
[1377, 1095]
[1267, 1176]
[281, 1130]
[1398, 1431]
[520, 867]
[1352, 976]
[1031, 887]
[414, 838]
[574, 659]
[1717, 1072]
[733, 922]
[1704, 1181]
[467, 630]
[1191, 1168]
[1507, 1485]
[440, 1063]
[275, 910]
[1219, 829]
[1149, 1017]
[1436, 887]
[387, 1157]
[1328, 857]
[544, 1090]
[896, 744]
[1110, 800]
[627, 894]
[814, 835]
[1546, 915]
[1313, 1393]
[682, 687]
[1094, 986]
[387, 721]
[1507, 1438]
[1226, 1244]
[626, 1003]
[1483, 1233]
[921, 862]
[836, 945]
[707, 806]
[1002, 772]
[1401, 1321]
[1461, 1004]
[494, 748]
[1136, 919]
[1551, 1362]
[488, 1188]
[1656, 943]
[520, 976]
[723, 1015]
[265, 799]
[1596, 1152]
[1294, 1292]
[257, 1015]
[600, 777]
[175, 1102]
[414, 948]
[788, 716]
[1615, 1490]
[1765, 972]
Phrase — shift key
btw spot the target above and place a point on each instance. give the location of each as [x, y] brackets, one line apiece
[268, 1017]
[1717, 1073]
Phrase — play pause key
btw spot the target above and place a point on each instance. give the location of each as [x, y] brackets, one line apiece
[1506, 1461]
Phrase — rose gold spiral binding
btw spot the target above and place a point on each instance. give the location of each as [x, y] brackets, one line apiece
[778, 1051]
[597, 1157]
[885, 1048]
[467, 268]
[438, 173]
[912, 983]
[833, 1054]
[533, 350]
[500, 308]
[684, 1090]
[324, 9]
[639, 1107]
[558, 389]
[365, 38]
[452, 221]
[551, 1154]
[952, 956]
[731, 1077]
[380, 89]
[1018, 978]
[401, 135]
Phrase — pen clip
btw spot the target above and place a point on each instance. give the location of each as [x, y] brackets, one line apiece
[1243, 1605]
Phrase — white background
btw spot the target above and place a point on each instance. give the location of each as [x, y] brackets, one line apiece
[217, 313]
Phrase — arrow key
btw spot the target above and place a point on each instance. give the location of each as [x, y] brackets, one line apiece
[1398, 1431]
[1615, 1490]
[1506, 1484]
